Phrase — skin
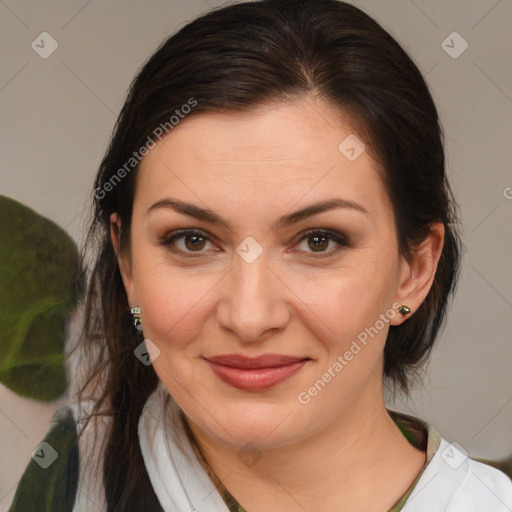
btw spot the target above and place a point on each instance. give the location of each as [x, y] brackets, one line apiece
[341, 449]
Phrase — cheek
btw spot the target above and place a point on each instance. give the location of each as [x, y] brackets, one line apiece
[160, 293]
[355, 309]
[341, 304]
[171, 308]
[173, 317]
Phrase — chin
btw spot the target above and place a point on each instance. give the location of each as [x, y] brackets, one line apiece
[264, 426]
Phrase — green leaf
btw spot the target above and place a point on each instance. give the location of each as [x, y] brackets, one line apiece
[39, 267]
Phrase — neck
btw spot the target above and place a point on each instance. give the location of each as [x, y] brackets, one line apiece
[361, 460]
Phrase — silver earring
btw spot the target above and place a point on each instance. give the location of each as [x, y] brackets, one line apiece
[136, 319]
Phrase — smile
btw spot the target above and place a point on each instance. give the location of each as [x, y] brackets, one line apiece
[255, 374]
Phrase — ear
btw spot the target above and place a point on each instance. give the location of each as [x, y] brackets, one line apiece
[417, 274]
[123, 260]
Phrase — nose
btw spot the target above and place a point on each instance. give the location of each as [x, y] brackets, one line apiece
[254, 304]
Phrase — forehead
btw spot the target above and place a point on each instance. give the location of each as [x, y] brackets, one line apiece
[284, 152]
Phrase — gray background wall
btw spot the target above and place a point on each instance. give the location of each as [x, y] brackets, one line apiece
[57, 114]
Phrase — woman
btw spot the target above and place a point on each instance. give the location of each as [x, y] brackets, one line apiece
[273, 211]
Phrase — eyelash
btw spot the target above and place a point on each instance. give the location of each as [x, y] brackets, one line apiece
[169, 240]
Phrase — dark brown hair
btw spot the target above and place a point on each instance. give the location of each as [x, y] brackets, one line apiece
[234, 59]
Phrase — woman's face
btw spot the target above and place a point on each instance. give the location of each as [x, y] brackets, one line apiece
[251, 285]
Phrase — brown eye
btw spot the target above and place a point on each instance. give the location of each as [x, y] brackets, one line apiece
[318, 241]
[193, 241]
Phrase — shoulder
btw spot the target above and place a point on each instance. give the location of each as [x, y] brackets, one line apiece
[50, 480]
[484, 487]
[454, 482]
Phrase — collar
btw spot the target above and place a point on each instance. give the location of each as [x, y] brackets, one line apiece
[181, 483]
[178, 479]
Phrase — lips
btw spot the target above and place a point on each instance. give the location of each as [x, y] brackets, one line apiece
[255, 373]
[264, 361]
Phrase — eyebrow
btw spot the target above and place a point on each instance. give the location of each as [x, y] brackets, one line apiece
[208, 215]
